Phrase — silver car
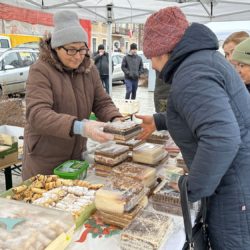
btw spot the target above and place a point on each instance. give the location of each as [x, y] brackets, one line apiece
[14, 69]
[118, 74]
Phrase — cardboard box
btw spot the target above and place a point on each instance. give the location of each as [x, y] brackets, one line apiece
[18, 133]
[8, 160]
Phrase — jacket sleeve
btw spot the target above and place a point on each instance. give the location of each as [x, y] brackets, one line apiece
[160, 121]
[39, 106]
[103, 106]
[125, 66]
[203, 103]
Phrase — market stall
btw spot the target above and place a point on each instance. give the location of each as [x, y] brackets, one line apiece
[123, 204]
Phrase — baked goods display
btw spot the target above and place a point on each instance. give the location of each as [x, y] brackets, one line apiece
[144, 174]
[159, 137]
[147, 231]
[167, 200]
[119, 195]
[149, 153]
[25, 226]
[111, 154]
[50, 191]
[123, 131]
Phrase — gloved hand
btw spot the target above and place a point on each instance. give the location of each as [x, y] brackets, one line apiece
[93, 130]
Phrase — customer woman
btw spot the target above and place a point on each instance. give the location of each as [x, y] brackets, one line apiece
[231, 42]
[241, 56]
[208, 116]
[63, 88]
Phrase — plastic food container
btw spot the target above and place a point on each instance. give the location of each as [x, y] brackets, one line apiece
[72, 169]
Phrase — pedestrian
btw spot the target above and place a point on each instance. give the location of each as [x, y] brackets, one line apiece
[208, 116]
[132, 67]
[63, 88]
[101, 58]
[231, 42]
[241, 56]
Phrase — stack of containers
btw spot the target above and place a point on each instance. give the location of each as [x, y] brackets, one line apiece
[108, 155]
[120, 200]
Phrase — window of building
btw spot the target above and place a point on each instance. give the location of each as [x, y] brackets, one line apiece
[104, 42]
[94, 47]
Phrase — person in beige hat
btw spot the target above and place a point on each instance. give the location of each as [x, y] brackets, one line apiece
[208, 117]
[241, 56]
[63, 88]
[231, 42]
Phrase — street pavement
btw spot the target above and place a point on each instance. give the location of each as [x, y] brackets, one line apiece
[145, 99]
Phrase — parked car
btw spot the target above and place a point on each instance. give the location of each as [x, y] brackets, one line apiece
[14, 69]
[118, 74]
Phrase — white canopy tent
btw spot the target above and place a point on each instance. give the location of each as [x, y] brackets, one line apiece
[137, 11]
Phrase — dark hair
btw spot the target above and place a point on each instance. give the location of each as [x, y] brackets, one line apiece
[236, 37]
[101, 46]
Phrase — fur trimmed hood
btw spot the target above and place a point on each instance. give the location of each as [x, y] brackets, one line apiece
[47, 54]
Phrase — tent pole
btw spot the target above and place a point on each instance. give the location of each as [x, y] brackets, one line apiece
[110, 56]
[109, 21]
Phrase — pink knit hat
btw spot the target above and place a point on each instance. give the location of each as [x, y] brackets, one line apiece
[163, 30]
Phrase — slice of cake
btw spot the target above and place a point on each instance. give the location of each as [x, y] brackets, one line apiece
[111, 154]
[147, 231]
[123, 131]
[159, 137]
[144, 174]
[120, 195]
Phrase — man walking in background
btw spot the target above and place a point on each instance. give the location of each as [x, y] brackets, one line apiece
[132, 67]
[102, 63]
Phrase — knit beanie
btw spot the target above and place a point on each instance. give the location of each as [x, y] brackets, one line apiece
[163, 30]
[133, 46]
[67, 29]
[101, 46]
[242, 52]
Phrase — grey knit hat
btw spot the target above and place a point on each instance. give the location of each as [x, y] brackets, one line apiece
[242, 52]
[67, 29]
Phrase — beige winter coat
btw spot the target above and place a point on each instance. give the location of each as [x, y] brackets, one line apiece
[55, 97]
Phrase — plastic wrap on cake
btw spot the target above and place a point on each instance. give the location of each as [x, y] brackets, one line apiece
[145, 174]
[159, 137]
[132, 143]
[149, 153]
[119, 195]
[111, 154]
[123, 131]
[25, 226]
[147, 231]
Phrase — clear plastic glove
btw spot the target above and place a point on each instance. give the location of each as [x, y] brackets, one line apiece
[148, 126]
[94, 131]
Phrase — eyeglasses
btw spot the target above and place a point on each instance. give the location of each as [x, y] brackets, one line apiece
[72, 52]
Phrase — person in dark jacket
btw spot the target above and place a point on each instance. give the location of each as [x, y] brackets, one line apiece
[102, 63]
[63, 88]
[241, 56]
[208, 116]
[132, 66]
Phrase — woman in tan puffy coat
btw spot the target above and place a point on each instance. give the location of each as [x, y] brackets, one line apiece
[63, 88]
